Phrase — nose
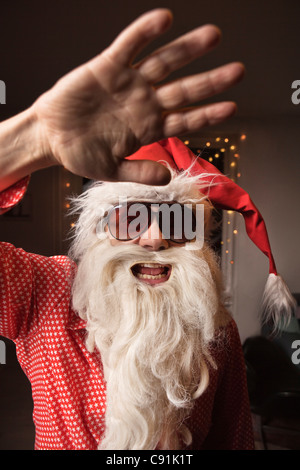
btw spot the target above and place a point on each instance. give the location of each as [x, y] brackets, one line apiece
[152, 239]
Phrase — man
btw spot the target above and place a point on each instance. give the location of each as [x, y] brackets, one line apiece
[134, 349]
[170, 350]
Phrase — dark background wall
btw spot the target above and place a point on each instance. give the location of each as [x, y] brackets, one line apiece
[42, 40]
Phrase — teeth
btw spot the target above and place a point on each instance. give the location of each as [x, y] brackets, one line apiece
[150, 276]
[152, 265]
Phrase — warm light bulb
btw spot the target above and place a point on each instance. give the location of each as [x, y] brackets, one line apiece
[232, 164]
[67, 205]
[186, 142]
[236, 155]
[222, 150]
[232, 147]
[218, 139]
[235, 232]
[68, 185]
[243, 137]
[210, 159]
[217, 155]
[226, 140]
[207, 144]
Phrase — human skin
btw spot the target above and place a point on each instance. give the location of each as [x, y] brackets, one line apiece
[105, 109]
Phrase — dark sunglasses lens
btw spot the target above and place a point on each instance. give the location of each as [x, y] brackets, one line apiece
[128, 222]
[177, 222]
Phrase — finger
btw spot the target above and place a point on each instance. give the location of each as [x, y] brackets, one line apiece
[179, 53]
[137, 35]
[192, 120]
[143, 171]
[188, 90]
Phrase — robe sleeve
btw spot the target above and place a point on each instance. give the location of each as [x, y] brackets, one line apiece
[28, 282]
[12, 195]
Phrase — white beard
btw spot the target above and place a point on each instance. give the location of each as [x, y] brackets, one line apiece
[153, 340]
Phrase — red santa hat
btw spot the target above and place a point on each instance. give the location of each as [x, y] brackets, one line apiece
[278, 303]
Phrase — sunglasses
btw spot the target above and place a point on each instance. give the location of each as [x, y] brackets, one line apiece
[177, 222]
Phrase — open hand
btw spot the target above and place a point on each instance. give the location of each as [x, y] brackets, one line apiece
[107, 108]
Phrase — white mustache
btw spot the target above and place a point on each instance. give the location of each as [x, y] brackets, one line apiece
[133, 254]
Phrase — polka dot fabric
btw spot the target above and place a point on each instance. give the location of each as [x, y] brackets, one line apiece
[67, 381]
[13, 195]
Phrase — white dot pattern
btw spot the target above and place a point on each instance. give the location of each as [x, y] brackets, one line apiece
[67, 381]
[13, 194]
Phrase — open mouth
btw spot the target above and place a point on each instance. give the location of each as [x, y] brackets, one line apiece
[151, 273]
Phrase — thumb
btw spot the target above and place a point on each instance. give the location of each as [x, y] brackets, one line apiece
[144, 172]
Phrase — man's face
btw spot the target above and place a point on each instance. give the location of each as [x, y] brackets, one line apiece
[151, 238]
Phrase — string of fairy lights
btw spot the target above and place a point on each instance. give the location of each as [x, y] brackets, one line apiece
[70, 185]
[224, 153]
[68, 191]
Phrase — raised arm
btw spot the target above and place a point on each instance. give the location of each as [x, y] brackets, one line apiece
[107, 108]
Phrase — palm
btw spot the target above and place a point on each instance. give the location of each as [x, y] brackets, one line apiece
[107, 108]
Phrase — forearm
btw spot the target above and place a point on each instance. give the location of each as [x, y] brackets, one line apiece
[22, 148]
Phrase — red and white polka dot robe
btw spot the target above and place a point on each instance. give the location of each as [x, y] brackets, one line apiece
[67, 381]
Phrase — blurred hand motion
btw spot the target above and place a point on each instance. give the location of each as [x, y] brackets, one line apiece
[109, 107]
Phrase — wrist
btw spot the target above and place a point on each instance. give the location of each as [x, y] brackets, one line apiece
[41, 154]
[23, 149]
